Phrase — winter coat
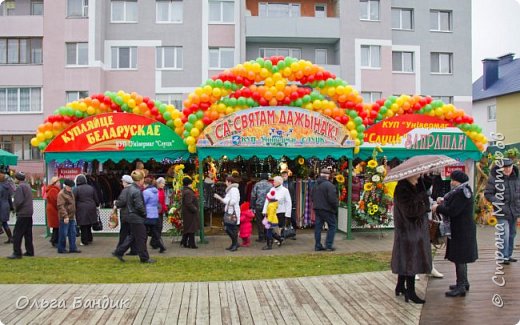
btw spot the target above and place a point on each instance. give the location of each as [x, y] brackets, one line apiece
[23, 201]
[411, 253]
[232, 200]
[134, 202]
[6, 204]
[162, 200]
[325, 196]
[121, 203]
[151, 201]
[507, 187]
[86, 202]
[189, 211]
[258, 194]
[458, 207]
[66, 204]
[52, 206]
[246, 228]
[283, 197]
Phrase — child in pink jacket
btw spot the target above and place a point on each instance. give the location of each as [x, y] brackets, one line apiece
[246, 228]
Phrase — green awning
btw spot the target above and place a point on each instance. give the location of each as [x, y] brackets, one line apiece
[115, 156]
[401, 153]
[7, 158]
[275, 152]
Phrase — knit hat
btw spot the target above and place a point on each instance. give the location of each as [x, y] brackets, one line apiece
[459, 176]
[325, 171]
[186, 181]
[127, 179]
[69, 182]
[271, 196]
[19, 176]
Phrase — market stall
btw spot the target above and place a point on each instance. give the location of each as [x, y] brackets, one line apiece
[111, 137]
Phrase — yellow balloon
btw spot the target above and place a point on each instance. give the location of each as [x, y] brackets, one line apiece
[192, 148]
[40, 136]
[216, 92]
[351, 125]
[177, 122]
[131, 103]
[189, 140]
[198, 124]
[194, 132]
[91, 110]
[35, 142]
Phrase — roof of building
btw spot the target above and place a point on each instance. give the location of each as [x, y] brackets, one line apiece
[508, 82]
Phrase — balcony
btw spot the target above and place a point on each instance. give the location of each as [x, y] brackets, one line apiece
[293, 29]
[21, 26]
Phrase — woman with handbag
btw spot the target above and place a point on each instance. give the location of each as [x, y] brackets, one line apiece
[87, 203]
[190, 214]
[231, 211]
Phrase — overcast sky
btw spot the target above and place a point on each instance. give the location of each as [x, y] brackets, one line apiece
[496, 31]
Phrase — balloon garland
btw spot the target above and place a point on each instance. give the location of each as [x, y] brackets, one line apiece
[273, 81]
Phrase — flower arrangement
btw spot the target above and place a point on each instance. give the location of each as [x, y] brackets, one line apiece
[174, 217]
[372, 208]
[174, 214]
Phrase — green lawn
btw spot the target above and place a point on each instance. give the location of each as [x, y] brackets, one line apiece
[187, 269]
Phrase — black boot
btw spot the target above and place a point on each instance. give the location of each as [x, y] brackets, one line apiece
[278, 238]
[462, 282]
[191, 241]
[466, 282]
[184, 241]
[234, 240]
[410, 291]
[9, 236]
[399, 288]
[269, 245]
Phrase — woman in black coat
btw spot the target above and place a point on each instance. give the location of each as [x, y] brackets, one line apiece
[411, 253]
[86, 208]
[190, 214]
[461, 249]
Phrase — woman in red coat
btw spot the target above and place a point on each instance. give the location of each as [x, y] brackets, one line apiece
[52, 209]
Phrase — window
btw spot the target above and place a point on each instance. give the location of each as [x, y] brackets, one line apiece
[37, 8]
[370, 56]
[221, 58]
[440, 21]
[77, 8]
[441, 63]
[492, 113]
[169, 57]
[402, 18]
[266, 9]
[444, 99]
[124, 57]
[72, 96]
[402, 62]
[123, 11]
[20, 50]
[371, 96]
[320, 56]
[77, 53]
[369, 9]
[221, 11]
[7, 8]
[269, 52]
[168, 11]
[320, 10]
[20, 145]
[16, 100]
[172, 99]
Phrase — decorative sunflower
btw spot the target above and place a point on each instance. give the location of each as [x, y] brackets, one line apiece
[372, 163]
[492, 221]
[301, 161]
[368, 186]
[340, 179]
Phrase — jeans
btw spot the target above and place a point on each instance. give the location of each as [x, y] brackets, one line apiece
[509, 227]
[67, 230]
[323, 216]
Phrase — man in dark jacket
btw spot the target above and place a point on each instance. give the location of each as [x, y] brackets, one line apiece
[23, 205]
[258, 195]
[503, 191]
[124, 229]
[136, 215]
[325, 201]
[457, 206]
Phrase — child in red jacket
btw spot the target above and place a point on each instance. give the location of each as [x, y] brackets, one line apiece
[246, 229]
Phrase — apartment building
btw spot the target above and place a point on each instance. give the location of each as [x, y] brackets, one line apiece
[53, 52]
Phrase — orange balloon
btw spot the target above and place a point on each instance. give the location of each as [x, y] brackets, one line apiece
[268, 95]
[280, 95]
[273, 102]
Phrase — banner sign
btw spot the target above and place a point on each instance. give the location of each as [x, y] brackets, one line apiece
[68, 173]
[418, 132]
[116, 132]
[446, 173]
[280, 126]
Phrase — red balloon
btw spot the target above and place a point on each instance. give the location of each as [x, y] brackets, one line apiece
[206, 120]
[311, 78]
[184, 119]
[417, 106]
[344, 119]
[246, 92]
[286, 101]
[373, 113]
[150, 104]
[350, 104]
[186, 111]
[256, 96]
[204, 106]
[107, 100]
[319, 75]
[294, 95]
[359, 107]
[263, 102]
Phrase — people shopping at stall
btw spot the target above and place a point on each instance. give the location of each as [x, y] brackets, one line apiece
[151, 201]
[190, 214]
[23, 205]
[6, 206]
[87, 202]
[124, 228]
[291, 186]
[281, 195]
[258, 195]
[461, 247]
[51, 208]
[231, 207]
[326, 202]
[66, 206]
[411, 253]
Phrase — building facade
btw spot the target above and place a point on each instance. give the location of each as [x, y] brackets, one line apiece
[54, 52]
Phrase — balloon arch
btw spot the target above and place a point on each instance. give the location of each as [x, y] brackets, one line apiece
[276, 81]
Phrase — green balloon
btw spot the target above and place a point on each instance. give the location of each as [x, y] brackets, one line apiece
[383, 110]
[428, 108]
[298, 102]
[218, 83]
[232, 102]
[360, 128]
[250, 102]
[388, 103]
[170, 124]
[260, 61]
[78, 113]
[199, 114]
[392, 99]
[125, 108]
[118, 100]
[330, 82]
[188, 126]
[42, 145]
[268, 64]
[315, 95]
[275, 69]
[192, 118]
[185, 134]
[241, 101]
[306, 99]
[161, 108]
[227, 84]
[167, 116]
[353, 114]
[358, 120]
[281, 65]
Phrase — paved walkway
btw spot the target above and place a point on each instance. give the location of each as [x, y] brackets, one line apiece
[364, 298]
